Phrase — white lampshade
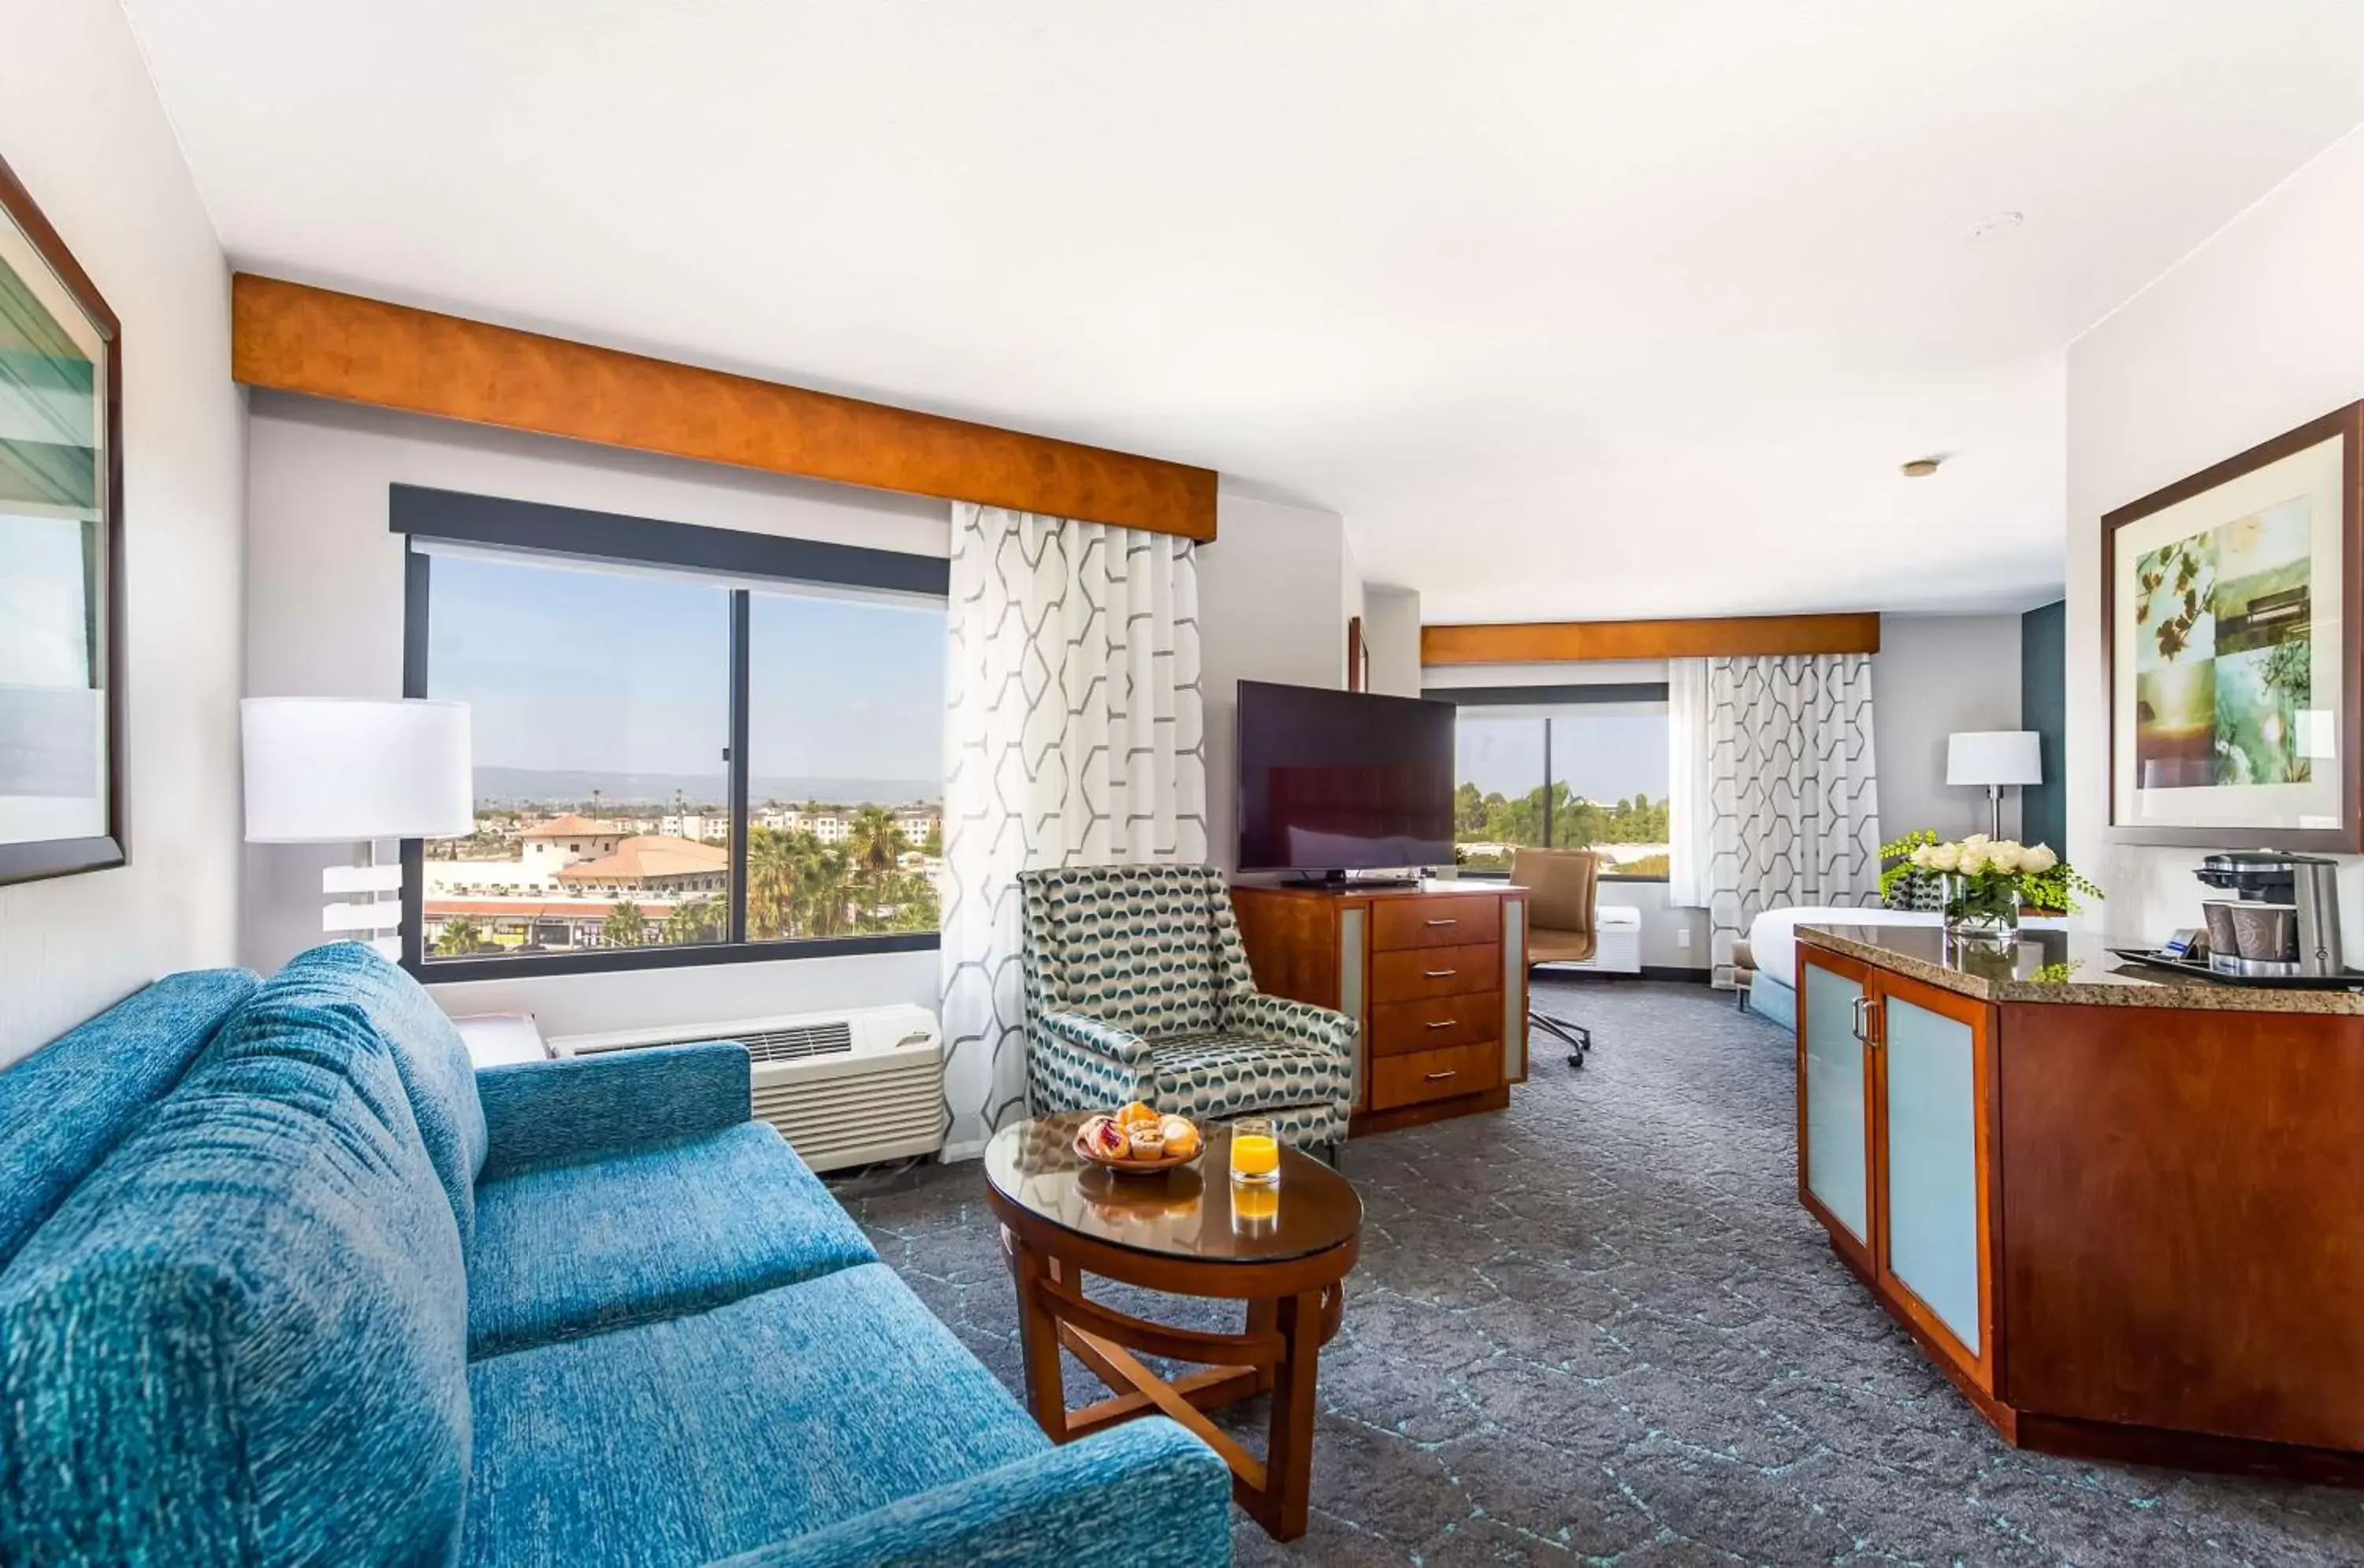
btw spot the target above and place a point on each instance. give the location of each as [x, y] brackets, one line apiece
[338, 769]
[1994, 757]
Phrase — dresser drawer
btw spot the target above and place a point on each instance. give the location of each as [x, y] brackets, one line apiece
[1414, 973]
[1398, 1026]
[1422, 1076]
[1398, 924]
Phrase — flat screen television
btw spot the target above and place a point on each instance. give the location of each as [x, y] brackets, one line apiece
[1343, 781]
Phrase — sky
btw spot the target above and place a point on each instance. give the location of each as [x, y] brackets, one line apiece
[624, 673]
[1610, 756]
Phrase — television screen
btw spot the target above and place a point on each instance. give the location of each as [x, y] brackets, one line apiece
[1343, 781]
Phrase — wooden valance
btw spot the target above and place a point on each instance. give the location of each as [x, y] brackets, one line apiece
[292, 338]
[1568, 641]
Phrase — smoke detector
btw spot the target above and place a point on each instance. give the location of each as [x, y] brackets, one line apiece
[1922, 467]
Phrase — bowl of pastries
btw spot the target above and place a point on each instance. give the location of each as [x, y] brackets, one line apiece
[1138, 1140]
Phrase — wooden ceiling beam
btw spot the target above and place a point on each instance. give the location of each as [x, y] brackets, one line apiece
[292, 338]
[1569, 642]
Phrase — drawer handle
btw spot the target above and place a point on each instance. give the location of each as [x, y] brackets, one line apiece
[1448, 1073]
[1446, 920]
[1438, 974]
[1441, 1024]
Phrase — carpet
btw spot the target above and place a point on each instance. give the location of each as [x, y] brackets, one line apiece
[1598, 1328]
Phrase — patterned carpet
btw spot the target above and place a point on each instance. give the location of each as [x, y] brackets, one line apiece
[1597, 1328]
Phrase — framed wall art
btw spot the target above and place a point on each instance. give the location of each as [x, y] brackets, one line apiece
[60, 556]
[2233, 622]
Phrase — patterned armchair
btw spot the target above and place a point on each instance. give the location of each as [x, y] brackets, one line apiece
[1137, 988]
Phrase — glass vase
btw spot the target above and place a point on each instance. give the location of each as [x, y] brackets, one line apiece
[1982, 908]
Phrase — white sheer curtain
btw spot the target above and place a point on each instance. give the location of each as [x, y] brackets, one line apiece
[1793, 794]
[1687, 809]
[1073, 737]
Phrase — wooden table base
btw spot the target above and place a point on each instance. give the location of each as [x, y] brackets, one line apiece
[1276, 1353]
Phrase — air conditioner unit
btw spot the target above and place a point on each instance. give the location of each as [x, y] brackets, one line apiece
[843, 1088]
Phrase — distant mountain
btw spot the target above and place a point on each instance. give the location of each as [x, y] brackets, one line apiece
[562, 786]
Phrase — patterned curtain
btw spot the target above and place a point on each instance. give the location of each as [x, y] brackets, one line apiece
[1074, 738]
[1794, 807]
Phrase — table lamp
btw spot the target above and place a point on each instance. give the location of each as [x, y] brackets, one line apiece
[354, 770]
[1995, 758]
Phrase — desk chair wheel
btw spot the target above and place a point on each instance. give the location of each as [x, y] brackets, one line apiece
[1576, 1037]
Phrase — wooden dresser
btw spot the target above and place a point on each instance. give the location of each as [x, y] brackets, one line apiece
[1435, 977]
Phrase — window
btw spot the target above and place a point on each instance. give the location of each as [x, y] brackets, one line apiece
[691, 745]
[1571, 767]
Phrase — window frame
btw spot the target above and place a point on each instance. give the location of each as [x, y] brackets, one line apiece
[1603, 693]
[530, 529]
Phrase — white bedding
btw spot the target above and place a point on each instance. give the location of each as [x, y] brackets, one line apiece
[1773, 936]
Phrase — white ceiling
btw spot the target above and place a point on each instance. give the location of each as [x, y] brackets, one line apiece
[1572, 307]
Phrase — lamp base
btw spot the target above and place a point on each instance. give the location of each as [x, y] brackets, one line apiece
[365, 913]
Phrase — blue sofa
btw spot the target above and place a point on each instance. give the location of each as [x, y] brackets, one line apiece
[283, 1279]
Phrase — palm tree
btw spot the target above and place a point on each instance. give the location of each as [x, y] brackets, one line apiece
[694, 921]
[877, 845]
[459, 936]
[770, 882]
[623, 927]
[824, 877]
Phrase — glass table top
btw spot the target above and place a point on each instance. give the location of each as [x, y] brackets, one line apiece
[1192, 1211]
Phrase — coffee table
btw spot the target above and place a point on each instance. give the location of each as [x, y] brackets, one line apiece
[1179, 1231]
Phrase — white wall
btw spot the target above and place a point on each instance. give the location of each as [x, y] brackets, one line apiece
[1272, 606]
[1391, 632]
[2260, 330]
[83, 131]
[324, 592]
[1932, 675]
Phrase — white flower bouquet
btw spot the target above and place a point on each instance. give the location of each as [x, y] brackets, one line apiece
[1988, 881]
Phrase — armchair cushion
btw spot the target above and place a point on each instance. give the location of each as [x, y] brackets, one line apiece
[1134, 946]
[1224, 1075]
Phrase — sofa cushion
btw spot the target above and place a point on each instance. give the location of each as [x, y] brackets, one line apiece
[242, 1339]
[693, 1438]
[566, 1250]
[427, 1051]
[63, 1107]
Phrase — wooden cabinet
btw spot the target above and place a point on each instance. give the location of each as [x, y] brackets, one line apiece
[1434, 976]
[1895, 1147]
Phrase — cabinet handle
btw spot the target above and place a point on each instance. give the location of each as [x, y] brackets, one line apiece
[1860, 1008]
[1438, 974]
[1441, 1024]
[1450, 920]
[1448, 1073]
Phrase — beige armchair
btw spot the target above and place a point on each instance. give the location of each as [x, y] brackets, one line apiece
[1561, 928]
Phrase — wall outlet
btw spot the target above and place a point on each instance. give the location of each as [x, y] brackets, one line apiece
[1683, 937]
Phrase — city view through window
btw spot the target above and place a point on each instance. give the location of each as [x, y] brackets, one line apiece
[1596, 779]
[601, 707]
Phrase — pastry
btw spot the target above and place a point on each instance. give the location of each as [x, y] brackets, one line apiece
[1137, 1114]
[1103, 1138]
[1148, 1141]
[1181, 1138]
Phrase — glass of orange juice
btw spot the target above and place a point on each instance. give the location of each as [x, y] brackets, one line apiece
[1255, 1151]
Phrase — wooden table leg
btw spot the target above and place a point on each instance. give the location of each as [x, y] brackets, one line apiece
[1264, 1318]
[1038, 1337]
[1289, 1452]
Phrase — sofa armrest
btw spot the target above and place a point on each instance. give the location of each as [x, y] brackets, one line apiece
[1147, 1495]
[1267, 1017]
[1085, 1033]
[599, 1105]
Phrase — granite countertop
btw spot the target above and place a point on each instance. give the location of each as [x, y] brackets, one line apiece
[2059, 966]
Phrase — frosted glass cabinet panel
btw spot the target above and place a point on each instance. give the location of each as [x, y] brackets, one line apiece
[1836, 1103]
[1933, 1163]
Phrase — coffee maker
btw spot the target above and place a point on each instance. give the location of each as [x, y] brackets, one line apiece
[2285, 921]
